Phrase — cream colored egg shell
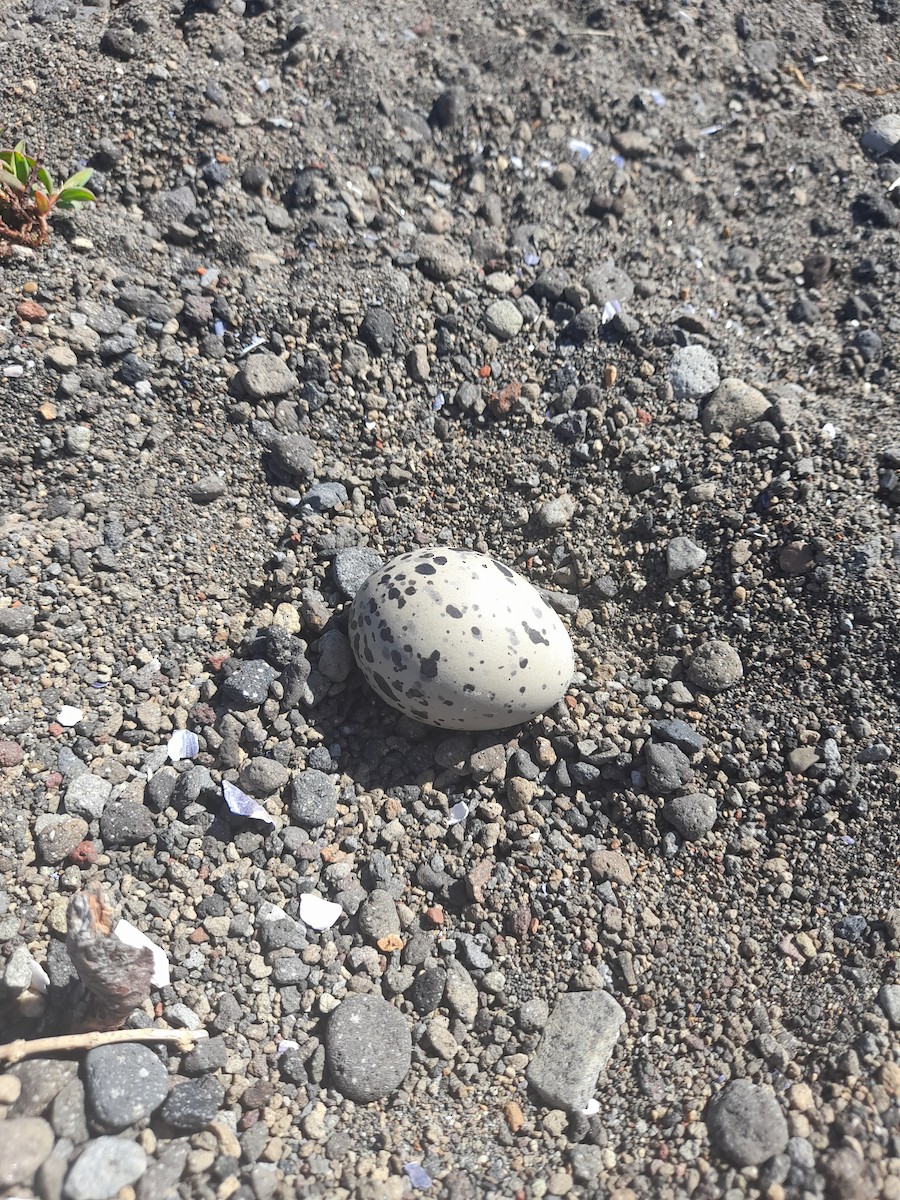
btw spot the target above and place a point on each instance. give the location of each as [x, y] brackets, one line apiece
[456, 640]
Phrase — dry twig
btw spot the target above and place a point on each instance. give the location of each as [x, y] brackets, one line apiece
[13, 1052]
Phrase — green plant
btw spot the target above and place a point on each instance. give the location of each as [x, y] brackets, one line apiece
[28, 197]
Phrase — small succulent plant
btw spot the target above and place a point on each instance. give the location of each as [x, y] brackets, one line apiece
[28, 196]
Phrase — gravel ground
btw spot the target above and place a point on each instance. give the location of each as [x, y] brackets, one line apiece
[608, 293]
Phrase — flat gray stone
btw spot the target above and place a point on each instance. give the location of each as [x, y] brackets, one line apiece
[883, 136]
[368, 1048]
[746, 1124]
[683, 557]
[24, 1144]
[576, 1045]
[668, 768]
[353, 566]
[124, 1084]
[314, 797]
[105, 1165]
[503, 319]
[16, 621]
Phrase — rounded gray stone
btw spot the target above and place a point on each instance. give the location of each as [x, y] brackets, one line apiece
[715, 667]
[335, 656]
[733, 405]
[24, 1144]
[693, 373]
[746, 1124]
[692, 816]
[668, 768]
[104, 1166]
[368, 1048]
[503, 320]
[124, 1084]
[86, 796]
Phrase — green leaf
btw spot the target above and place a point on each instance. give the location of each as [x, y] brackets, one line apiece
[8, 179]
[44, 178]
[79, 179]
[75, 195]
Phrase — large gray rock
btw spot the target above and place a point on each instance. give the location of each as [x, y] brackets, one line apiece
[124, 1084]
[715, 667]
[693, 373]
[746, 1124]
[368, 1048]
[575, 1047]
[692, 816]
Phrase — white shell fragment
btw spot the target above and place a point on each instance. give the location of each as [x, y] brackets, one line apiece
[317, 913]
[243, 805]
[458, 641]
[182, 744]
[69, 716]
[132, 936]
[458, 813]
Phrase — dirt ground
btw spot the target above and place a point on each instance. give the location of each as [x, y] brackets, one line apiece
[607, 292]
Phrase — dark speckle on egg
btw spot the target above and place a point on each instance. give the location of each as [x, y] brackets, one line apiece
[452, 688]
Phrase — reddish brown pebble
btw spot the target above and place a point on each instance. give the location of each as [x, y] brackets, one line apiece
[52, 780]
[10, 754]
[30, 287]
[31, 311]
[198, 936]
[515, 1118]
[389, 944]
[84, 854]
[55, 729]
[435, 915]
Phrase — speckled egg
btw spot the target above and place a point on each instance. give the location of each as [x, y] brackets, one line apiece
[455, 640]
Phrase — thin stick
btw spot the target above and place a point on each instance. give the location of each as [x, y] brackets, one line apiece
[13, 1052]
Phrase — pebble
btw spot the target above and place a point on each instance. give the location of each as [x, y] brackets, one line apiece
[352, 567]
[16, 621]
[882, 137]
[87, 795]
[693, 373]
[11, 754]
[61, 358]
[746, 1124]
[192, 1105]
[25, 1143]
[680, 734]
[41, 1079]
[460, 992]
[294, 456]
[576, 1045]
[314, 798]
[610, 864]
[889, 999]
[692, 816]
[124, 1084]
[248, 686]
[378, 917]
[322, 497]
[126, 823]
[263, 777]
[368, 1048]
[336, 659]
[266, 377]
[57, 835]
[439, 259]
[557, 513]
[207, 489]
[715, 667]
[377, 330]
[503, 319]
[683, 557]
[668, 768]
[104, 1167]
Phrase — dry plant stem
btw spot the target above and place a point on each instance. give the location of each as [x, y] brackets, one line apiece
[13, 1052]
